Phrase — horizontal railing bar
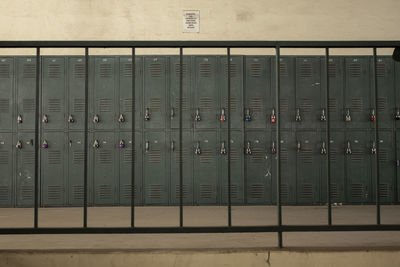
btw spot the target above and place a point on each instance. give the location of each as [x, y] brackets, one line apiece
[199, 44]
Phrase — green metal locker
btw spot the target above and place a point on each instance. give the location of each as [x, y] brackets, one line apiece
[155, 171]
[105, 180]
[288, 170]
[125, 93]
[397, 94]
[174, 82]
[53, 168]
[6, 93]
[25, 169]
[6, 170]
[358, 146]
[397, 182]
[205, 93]
[104, 93]
[257, 103]
[187, 160]
[53, 93]
[75, 116]
[386, 92]
[26, 93]
[205, 148]
[155, 89]
[358, 106]
[125, 168]
[236, 116]
[237, 167]
[258, 167]
[308, 152]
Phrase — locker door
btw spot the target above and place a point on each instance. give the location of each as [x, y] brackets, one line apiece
[25, 174]
[125, 93]
[236, 92]
[308, 167]
[398, 164]
[358, 167]
[357, 92]
[258, 166]
[6, 93]
[105, 178]
[397, 90]
[53, 93]
[205, 167]
[237, 167]
[6, 170]
[288, 171]
[125, 168]
[155, 168]
[386, 92]
[308, 92]
[155, 84]
[174, 80]
[76, 93]
[53, 169]
[187, 155]
[337, 157]
[104, 93]
[26, 86]
[205, 108]
[258, 92]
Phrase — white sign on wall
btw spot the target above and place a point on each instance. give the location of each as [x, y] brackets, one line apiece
[191, 21]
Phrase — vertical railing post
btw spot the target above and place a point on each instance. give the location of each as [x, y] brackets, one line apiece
[180, 137]
[327, 137]
[37, 142]
[85, 166]
[278, 144]
[376, 140]
[133, 57]
[229, 137]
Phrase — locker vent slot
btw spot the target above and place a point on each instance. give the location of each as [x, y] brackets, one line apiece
[105, 105]
[332, 104]
[205, 70]
[154, 156]
[234, 192]
[4, 157]
[79, 71]
[3, 193]
[332, 70]
[28, 105]
[234, 70]
[256, 104]
[284, 155]
[185, 155]
[284, 104]
[206, 104]
[382, 103]
[155, 104]
[257, 191]
[334, 191]
[206, 156]
[178, 69]
[105, 191]
[104, 157]
[357, 190]
[26, 192]
[4, 105]
[256, 70]
[356, 105]
[384, 190]
[383, 154]
[106, 70]
[54, 105]
[155, 190]
[381, 70]
[78, 157]
[155, 70]
[283, 70]
[206, 191]
[257, 155]
[234, 104]
[77, 192]
[306, 105]
[333, 153]
[127, 156]
[235, 155]
[185, 191]
[307, 191]
[79, 105]
[28, 157]
[127, 105]
[54, 157]
[284, 191]
[306, 156]
[54, 71]
[29, 71]
[4, 71]
[306, 70]
[54, 192]
[355, 70]
[184, 104]
[127, 191]
[127, 70]
[357, 155]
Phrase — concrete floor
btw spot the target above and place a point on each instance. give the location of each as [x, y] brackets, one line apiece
[198, 216]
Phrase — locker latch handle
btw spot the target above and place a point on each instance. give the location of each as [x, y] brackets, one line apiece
[298, 146]
[348, 148]
[223, 148]
[397, 115]
[45, 119]
[70, 143]
[273, 116]
[197, 115]
[223, 115]
[298, 116]
[247, 115]
[373, 148]
[197, 150]
[247, 151]
[45, 144]
[372, 116]
[121, 144]
[172, 146]
[121, 118]
[273, 148]
[70, 119]
[147, 114]
[19, 119]
[147, 146]
[96, 118]
[96, 143]
[19, 144]
[172, 113]
[323, 115]
[348, 117]
[323, 148]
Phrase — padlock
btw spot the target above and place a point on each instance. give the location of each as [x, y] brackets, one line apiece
[323, 149]
[197, 115]
[247, 115]
[298, 117]
[248, 149]
[96, 119]
[96, 143]
[121, 118]
[373, 148]
[45, 119]
[348, 148]
[45, 144]
[223, 116]
[223, 149]
[273, 148]
[19, 119]
[197, 150]
[347, 117]
[323, 116]
[121, 144]
[19, 144]
[397, 115]
[273, 116]
[147, 114]
[70, 119]
[372, 116]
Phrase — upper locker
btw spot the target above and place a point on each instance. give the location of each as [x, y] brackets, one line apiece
[386, 92]
[53, 93]
[6, 170]
[76, 93]
[6, 93]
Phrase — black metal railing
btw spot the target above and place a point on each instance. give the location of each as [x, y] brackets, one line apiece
[277, 45]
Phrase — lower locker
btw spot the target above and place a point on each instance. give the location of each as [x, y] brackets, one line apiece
[288, 170]
[6, 170]
[205, 167]
[53, 169]
[398, 164]
[237, 167]
[187, 168]
[25, 169]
